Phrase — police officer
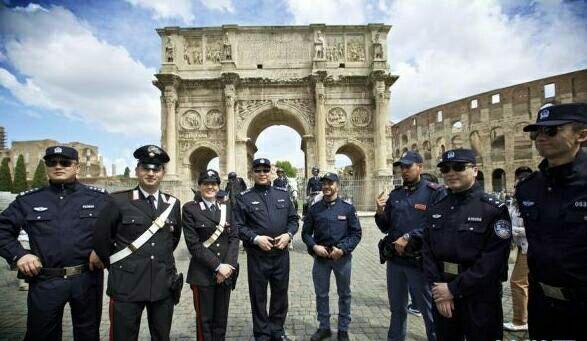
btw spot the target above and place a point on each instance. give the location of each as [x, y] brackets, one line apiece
[466, 248]
[135, 235]
[402, 216]
[331, 232]
[266, 221]
[312, 189]
[234, 186]
[281, 180]
[213, 243]
[553, 203]
[60, 265]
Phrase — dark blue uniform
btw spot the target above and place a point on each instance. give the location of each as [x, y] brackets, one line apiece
[280, 182]
[314, 185]
[553, 204]
[466, 244]
[58, 220]
[268, 211]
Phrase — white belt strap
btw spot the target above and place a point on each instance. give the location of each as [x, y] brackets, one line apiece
[219, 227]
[143, 238]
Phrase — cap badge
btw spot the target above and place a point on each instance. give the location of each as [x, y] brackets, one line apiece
[450, 155]
[58, 150]
[544, 114]
[262, 161]
[210, 173]
[153, 150]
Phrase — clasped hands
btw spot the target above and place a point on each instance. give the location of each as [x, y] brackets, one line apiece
[443, 298]
[224, 271]
[280, 242]
[321, 251]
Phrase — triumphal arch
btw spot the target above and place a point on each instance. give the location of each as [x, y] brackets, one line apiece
[222, 86]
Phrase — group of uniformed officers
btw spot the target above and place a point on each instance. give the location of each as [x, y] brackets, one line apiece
[449, 245]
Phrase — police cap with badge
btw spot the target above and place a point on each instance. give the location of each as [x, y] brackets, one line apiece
[151, 157]
[61, 152]
[329, 176]
[209, 176]
[459, 156]
[409, 158]
[261, 162]
[556, 115]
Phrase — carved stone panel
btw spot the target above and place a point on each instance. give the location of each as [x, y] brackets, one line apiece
[335, 48]
[246, 108]
[193, 53]
[274, 47]
[336, 117]
[214, 119]
[355, 48]
[214, 49]
[190, 120]
[361, 117]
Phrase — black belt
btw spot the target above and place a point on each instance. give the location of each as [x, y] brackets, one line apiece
[574, 294]
[68, 271]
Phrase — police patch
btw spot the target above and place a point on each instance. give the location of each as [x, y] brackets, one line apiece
[503, 229]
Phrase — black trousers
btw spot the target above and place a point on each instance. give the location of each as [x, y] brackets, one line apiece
[263, 270]
[473, 318]
[553, 319]
[211, 305]
[46, 301]
[125, 319]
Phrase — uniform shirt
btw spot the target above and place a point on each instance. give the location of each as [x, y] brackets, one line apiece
[146, 195]
[314, 185]
[473, 230]
[58, 220]
[553, 204]
[264, 211]
[332, 223]
[405, 212]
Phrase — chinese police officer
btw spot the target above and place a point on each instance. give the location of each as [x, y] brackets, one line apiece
[60, 266]
[266, 220]
[553, 203]
[331, 231]
[466, 247]
[135, 235]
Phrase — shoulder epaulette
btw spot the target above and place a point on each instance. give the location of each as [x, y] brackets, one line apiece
[122, 191]
[30, 191]
[348, 201]
[492, 200]
[281, 189]
[532, 175]
[166, 197]
[435, 186]
[245, 191]
[96, 189]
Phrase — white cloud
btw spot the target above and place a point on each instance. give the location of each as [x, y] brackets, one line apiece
[328, 11]
[66, 68]
[446, 50]
[219, 5]
[163, 9]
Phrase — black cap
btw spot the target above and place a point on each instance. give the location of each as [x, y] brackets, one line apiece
[329, 176]
[409, 158]
[209, 175]
[315, 168]
[555, 115]
[261, 162]
[458, 155]
[151, 155]
[232, 175]
[62, 151]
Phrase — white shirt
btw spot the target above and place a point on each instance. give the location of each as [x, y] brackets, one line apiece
[156, 195]
[209, 203]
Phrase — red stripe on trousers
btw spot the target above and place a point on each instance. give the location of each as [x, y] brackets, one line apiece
[196, 297]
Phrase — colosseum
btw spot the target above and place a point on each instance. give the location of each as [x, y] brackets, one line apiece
[491, 124]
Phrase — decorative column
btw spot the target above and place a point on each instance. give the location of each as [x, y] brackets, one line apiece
[381, 102]
[170, 99]
[320, 127]
[229, 100]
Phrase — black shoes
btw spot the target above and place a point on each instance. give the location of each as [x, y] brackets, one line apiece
[321, 334]
[343, 336]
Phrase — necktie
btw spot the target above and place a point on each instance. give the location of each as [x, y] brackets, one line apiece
[151, 200]
[213, 208]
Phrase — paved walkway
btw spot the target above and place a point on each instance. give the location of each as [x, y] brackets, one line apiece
[370, 312]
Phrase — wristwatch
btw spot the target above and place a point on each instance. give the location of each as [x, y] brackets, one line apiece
[406, 236]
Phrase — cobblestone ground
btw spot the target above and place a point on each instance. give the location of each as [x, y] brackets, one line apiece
[370, 312]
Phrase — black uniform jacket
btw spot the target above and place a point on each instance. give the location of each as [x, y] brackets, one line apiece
[199, 223]
[471, 229]
[145, 275]
[553, 204]
[58, 220]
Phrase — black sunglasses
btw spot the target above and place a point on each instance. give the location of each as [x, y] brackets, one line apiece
[549, 131]
[61, 162]
[457, 167]
[262, 170]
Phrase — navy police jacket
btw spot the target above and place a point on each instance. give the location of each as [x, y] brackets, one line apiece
[553, 204]
[58, 220]
[405, 212]
[330, 224]
[467, 244]
[264, 211]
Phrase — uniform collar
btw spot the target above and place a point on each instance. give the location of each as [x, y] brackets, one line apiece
[261, 188]
[465, 194]
[412, 187]
[568, 171]
[68, 187]
[146, 194]
[330, 203]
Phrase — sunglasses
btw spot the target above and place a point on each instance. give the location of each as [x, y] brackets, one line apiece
[457, 167]
[55, 162]
[549, 131]
[149, 167]
[262, 170]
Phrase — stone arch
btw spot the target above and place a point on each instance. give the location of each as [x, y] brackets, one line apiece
[497, 142]
[396, 154]
[427, 150]
[404, 139]
[456, 142]
[358, 156]
[476, 145]
[522, 143]
[457, 126]
[198, 159]
[498, 179]
[440, 147]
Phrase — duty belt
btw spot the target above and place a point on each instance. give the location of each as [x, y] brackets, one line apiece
[65, 272]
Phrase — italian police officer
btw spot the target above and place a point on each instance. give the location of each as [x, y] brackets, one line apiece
[403, 217]
[213, 243]
[331, 232]
[281, 180]
[61, 266]
[466, 247]
[314, 184]
[266, 220]
[135, 235]
[553, 203]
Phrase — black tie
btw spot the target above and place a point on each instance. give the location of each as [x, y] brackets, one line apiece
[213, 208]
[151, 200]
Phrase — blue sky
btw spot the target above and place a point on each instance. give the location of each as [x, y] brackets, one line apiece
[82, 70]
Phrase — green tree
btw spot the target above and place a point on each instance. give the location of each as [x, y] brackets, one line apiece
[19, 184]
[40, 177]
[5, 177]
[289, 170]
[126, 173]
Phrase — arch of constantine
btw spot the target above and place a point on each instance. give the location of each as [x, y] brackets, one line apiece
[222, 86]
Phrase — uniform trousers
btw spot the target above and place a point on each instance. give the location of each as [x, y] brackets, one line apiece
[553, 319]
[321, 276]
[125, 319]
[272, 270]
[211, 305]
[476, 317]
[46, 301]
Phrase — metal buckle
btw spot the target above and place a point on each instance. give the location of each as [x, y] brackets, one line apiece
[73, 270]
[131, 247]
[451, 268]
[159, 222]
[553, 292]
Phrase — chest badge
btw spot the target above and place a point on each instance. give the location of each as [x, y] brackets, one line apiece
[581, 204]
[475, 219]
[280, 200]
[528, 203]
[40, 209]
[341, 217]
[421, 207]
[254, 203]
[436, 216]
[87, 206]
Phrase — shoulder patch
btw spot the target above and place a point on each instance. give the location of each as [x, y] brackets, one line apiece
[30, 191]
[434, 186]
[96, 189]
[245, 191]
[492, 200]
[281, 189]
[503, 229]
